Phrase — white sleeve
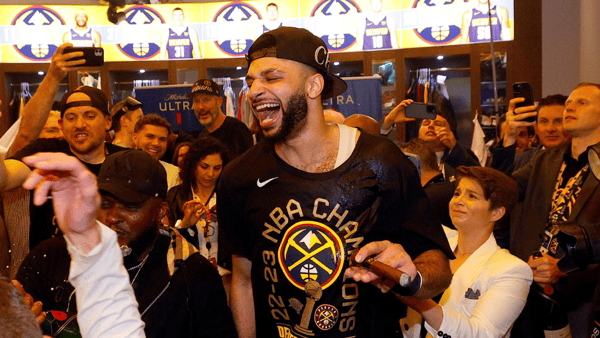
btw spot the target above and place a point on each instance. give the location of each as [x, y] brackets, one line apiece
[494, 312]
[106, 302]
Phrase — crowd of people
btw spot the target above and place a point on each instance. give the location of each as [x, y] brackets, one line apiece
[132, 229]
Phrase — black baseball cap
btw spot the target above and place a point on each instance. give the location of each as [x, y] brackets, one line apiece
[121, 108]
[300, 45]
[132, 176]
[204, 86]
[97, 100]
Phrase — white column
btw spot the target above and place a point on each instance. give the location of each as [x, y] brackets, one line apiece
[589, 55]
[560, 46]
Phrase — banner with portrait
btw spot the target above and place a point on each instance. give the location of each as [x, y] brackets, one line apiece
[227, 29]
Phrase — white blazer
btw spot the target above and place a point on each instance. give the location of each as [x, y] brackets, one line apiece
[485, 297]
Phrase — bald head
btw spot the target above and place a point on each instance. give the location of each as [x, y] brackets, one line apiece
[364, 122]
[332, 116]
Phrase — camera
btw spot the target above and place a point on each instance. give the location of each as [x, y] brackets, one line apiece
[578, 246]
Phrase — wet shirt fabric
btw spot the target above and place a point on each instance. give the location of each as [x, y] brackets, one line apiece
[299, 229]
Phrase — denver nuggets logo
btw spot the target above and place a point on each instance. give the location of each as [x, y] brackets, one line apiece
[140, 15]
[326, 316]
[441, 34]
[310, 251]
[37, 16]
[236, 12]
[336, 41]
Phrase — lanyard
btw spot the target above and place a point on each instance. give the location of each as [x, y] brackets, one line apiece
[564, 199]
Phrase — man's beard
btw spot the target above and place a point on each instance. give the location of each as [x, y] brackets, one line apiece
[140, 244]
[293, 118]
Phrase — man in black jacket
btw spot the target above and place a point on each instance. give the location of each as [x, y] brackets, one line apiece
[179, 292]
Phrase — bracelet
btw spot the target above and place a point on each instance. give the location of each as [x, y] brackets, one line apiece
[411, 289]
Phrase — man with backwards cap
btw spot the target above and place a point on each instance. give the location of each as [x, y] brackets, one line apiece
[207, 101]
[85, 118]
[124, 116]
[179, 292]
[293, 208]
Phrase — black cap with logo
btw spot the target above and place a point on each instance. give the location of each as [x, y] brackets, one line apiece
[204, 86]
[302, 46]
[97, 100]
[132, 176]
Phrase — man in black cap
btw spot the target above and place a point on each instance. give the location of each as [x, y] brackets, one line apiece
[125, 114]
[295, 207]
[179, 292]
[207, 101]
[85, 118]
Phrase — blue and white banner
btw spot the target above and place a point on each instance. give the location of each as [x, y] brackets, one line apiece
[171, 103]
[363, 96]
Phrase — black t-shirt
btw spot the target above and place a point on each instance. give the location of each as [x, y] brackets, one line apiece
[234, 134]
[42, 224]
[296, 226]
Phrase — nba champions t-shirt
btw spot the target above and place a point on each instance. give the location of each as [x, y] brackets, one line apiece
[300, 228]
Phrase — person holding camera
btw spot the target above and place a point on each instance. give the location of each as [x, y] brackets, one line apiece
[556, 186]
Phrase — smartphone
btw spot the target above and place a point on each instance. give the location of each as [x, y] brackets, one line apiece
[421, 110]
[524, 89]
[93, 56]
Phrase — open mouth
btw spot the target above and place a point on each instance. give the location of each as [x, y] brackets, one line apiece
[80, 136]
[267, 113]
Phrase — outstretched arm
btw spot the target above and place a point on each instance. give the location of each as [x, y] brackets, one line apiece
[432, 265]
[37, 109]
[105, 299]
[195, 45]
[464, 29]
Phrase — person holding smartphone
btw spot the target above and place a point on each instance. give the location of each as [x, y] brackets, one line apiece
[439, 134]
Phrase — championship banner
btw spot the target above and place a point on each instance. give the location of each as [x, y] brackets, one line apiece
[227, 29]
[171, 103]
[450, 22]
[363, 96]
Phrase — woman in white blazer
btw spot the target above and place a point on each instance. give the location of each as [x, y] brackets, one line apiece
[489, 285]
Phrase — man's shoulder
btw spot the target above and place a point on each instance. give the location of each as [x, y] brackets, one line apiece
[168, 166]
[113, 148]
[232, 122]
[253, 160]
[379, 148]
[43, 145]
[53, 249]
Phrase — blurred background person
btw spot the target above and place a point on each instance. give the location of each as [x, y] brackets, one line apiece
[193, 203]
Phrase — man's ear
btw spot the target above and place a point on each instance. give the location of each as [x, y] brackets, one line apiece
[163, 211]
[134, 139]
[108, 119]
[220, 100]
[314, 85]
[498, 213]
[122, 121]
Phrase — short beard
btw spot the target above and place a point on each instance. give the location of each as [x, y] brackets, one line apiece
[140, 244]
[293, 118]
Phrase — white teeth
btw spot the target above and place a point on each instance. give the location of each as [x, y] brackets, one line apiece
[80, 135]
[267, 105]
